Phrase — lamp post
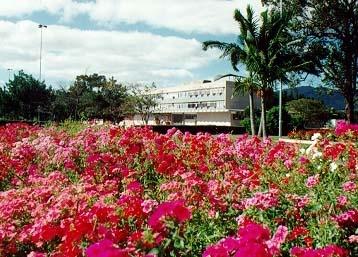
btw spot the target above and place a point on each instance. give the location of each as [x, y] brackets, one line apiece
[9, 70]
[41, 26]
[280, 96]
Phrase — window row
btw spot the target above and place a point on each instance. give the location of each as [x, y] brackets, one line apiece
[195, 105]
[190, 94]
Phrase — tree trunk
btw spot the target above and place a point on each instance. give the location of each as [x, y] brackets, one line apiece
[252, 112]
[263, 116]
[350, 109]
[260, 126]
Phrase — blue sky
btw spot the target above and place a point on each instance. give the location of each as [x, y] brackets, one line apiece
[133, 40]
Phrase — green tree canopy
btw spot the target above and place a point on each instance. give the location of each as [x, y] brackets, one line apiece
[311, 112]
[93, 96]
[26, 97]
[143, 101]
[329, 29]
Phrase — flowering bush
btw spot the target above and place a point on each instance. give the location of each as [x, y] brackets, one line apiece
[108, 191]
[342, 132]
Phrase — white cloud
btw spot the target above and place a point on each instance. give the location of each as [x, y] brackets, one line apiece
[199, 16]
[65, 9]
[128, 56]
[188, 16]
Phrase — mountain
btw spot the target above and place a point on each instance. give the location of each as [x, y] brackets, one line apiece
[330, 97]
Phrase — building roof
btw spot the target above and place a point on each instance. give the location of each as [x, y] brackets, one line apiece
[195, 85]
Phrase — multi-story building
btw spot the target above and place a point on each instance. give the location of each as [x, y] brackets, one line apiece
[199, 103]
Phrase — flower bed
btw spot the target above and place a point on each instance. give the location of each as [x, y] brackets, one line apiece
[106, 191]
[342, 132]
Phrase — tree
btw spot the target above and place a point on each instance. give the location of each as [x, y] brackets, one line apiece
[85, 97]
[115, 97]
[265, 48]
[26, 97]
[273, 120]
[311, 112]
[143, 101]
[93, 96]
[61, 105]
[251, 85]
[330, 27]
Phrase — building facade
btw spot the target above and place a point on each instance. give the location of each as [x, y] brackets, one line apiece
[198, 103]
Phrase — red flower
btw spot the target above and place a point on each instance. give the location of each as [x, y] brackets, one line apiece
[174, 209]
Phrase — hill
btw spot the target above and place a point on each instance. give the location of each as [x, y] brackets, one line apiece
[330, 97]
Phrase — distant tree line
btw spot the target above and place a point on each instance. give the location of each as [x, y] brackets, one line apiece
[298, 113]
[88, 97]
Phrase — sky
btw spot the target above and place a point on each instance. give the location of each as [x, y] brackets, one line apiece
[135, 41]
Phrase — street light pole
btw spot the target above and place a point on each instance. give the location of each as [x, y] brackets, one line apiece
[280, 96]
[9, 70]
[41, 26]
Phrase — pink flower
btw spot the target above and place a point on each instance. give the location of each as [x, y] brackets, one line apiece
[215, 251]
[343, 127]
[328, 251]
[173, 209]
[251, 242]
[231, 244]
[262, 200]
[278, 238]
[148, 205]
[348, 218]
[353, 239]
[105, 248]
[288, 163]
[254, 232]
[253, 250]
[342, 200]
[312, 181]
[36, 254]
[303, 201]
[349, 186]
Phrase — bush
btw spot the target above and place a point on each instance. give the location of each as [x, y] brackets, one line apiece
[273, 121]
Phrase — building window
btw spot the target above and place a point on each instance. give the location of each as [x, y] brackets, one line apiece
[213, 105]
[238, 115]
[203, 105]
[190, 116]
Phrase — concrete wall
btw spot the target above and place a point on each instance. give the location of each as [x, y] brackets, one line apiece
[237, 101]
[214, 118]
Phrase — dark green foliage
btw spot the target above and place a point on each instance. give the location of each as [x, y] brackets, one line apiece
[89, 97]
[310, 112]
[25, 98]
[329, 30]
[272, 121]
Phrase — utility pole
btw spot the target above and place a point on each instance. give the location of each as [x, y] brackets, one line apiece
[40, 27]
[280, 96]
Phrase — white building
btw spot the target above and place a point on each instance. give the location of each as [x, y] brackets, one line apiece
[198, 103]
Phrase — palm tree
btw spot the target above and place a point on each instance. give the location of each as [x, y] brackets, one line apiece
[251, 85]
[264, 48]
[238, 53]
